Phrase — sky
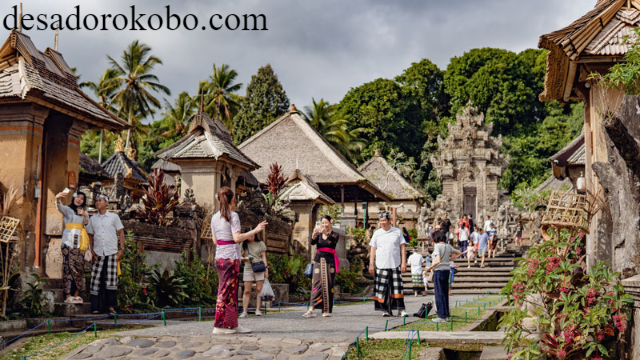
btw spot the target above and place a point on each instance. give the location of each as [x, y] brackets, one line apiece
[318, 49]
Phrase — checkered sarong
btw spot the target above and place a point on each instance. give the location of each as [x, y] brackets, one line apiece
[388, 286]
[417, 280]
[112, 270]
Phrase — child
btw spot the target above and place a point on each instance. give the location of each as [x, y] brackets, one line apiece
[425, 275]
[471, 254]
[452, 267]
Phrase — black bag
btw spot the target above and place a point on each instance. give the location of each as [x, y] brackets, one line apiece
[424, 311]
[258, 267]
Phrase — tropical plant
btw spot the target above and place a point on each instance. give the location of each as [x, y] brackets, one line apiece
[135, 84]
[134, 271]
[32, 299]
[359, 235]
[168, 288]
[276, 181]
[219, 99]
[176, 117]
[159, 199]
[289, 269]
[201, 284]
[335, 211]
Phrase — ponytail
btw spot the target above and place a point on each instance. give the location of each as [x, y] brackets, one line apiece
[225, 197]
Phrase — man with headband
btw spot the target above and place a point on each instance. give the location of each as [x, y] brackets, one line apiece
[389, 257]
[105, 231]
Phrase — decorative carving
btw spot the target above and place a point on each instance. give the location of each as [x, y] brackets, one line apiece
[118, 145]
[189, 197]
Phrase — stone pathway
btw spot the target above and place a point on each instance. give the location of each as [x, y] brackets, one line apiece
[277, 336]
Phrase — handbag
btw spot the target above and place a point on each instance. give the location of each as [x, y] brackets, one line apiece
[258, 267]
[308, 270]
[430, 276]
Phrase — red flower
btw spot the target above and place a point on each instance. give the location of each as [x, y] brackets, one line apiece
[144, 291]
[561, 353]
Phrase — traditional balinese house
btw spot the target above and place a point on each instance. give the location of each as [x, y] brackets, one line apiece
[43, 114]
[123, 164]
[405, 197]
[90, 171]
[208, 160]
[569, 163]
[294, 144]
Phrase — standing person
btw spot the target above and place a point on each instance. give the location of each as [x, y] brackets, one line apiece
[254, 250]
[389, 256]
[445, 226]
[105, 232]
[487, 224]
[225, 233]
[518, 237]
[425, 275]
[442, 254]
[75, 218]
[471, 223]
[483, 244]
[416, 260]
[405, 234]
[493, 241]
[463, 238]
[452, 271]
[325, 267]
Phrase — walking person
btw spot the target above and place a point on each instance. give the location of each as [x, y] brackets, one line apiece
[482, 245]
[105, 233]
[493, 241]
[254, 251]
[389, 257]
[416, 260]
[442, 254]
[518, 237]
[487, 224]
[425, 274]
[471, 223]
[74, 237]
[225, 233]
[325, 267]
[463, 238]
[445, 226]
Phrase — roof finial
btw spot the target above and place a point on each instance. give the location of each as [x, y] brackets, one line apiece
[20, 19]
[55, 39]
[202, 99]
[293, 109]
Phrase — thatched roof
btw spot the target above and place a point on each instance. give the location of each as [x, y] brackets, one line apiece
[166, 166]
[302, 188]
[30, 75]
[89, 166]
[206, 139]
[552, 183]
[119, 163]
[598, 36]
[574, 150]
[387, 179]
[294, 144]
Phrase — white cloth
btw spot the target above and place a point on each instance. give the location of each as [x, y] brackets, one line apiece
[416, 260]
[387, 244]
[222, 229]
[104, 228]
[70, 237]
[464, 234]
[487, 225]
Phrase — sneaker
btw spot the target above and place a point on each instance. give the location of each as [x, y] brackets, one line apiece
[258, 312]
[223, 331]
[439, 320]
[475, 261]
[326, 314]
[244, 314]
[468, 266]
[241, 330]
[309, 314]
[385, 314]
[403, 314]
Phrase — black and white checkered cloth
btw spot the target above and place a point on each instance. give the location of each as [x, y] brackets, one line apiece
[385, 278]
[112, 273]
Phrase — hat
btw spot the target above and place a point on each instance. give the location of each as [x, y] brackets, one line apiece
[384, 215]
[103, 196]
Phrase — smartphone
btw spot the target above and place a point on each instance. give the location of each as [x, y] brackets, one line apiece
[66, 190]
[318, 223]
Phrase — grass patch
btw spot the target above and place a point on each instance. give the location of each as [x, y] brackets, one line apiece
[457, 314]
[386, 349]
[38, 343]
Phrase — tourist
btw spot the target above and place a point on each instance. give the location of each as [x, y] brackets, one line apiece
[105, 232]
[254, 251]
[471, 251]
[425, 275]
[463, 238]
[493, 241]
[482, 244]
[75, 218]
[445, 226]
[325, 267]
[225, 233]
[452, 269]
[471, 223]
[416, 260]
[487, 224]
[518, 236]
[405, 234]
[442, 254]
[389, 256]
[463, 220]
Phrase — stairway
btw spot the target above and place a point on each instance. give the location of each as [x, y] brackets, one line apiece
[61, 308]
[474, 280]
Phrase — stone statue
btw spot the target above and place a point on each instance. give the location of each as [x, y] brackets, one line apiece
[423, 223]
[502, 221]
[189, 197]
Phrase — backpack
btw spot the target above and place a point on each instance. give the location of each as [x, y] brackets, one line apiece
[424, 311]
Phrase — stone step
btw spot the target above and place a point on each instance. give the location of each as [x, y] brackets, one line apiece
[71, 310]
[493, 353]
[485, 270]
[58, 295]
[492, 279]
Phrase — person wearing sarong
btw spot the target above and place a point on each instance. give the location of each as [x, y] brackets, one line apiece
[225, 231]
[325, 267]
[388, 260]
[105, 233]
[416, 260]
[74, 237]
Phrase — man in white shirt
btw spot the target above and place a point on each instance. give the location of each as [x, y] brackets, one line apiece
[389, 257]
[487, 224]
[105, 231]
[416, 260]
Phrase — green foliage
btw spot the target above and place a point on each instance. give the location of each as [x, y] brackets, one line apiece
[32, 300]
[351, 280]
[219, 98]
[167, 288]
[579, 313]
[265, 101]
[288, 269]
[334, 211]
[200, 284]
[134, 271]
[358, 234]
[625, 75]
[413, 233]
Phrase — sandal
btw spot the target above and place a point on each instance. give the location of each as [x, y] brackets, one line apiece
[70, 299]
[77, 300]
[309, 314]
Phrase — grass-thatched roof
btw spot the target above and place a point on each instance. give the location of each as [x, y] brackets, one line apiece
[387, 179]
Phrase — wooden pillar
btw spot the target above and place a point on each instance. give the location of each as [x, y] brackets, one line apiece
[355, 204]
[342, 197]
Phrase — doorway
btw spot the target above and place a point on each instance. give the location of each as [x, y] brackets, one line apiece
[469, 203]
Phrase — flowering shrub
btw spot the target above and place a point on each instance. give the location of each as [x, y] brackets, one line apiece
[580, 313]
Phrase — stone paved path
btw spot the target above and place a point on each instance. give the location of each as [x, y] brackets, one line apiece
[278, 336]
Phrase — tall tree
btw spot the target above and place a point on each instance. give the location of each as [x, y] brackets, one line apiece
[219, 91]
[265, 101]
[135, 84]
[321, 115]
[176, 117]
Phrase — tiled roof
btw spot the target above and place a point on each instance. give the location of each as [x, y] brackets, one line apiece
[120, 163]
[579, 157]
[89, 166]
[44, 77]
[301, 188]
[166, 166]
[387, 179]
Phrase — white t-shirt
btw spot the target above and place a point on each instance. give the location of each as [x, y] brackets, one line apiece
[487, 225]
[387, 244]
[464, 234]
[416, 260]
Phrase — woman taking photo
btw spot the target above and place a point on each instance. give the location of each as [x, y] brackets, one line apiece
[442, 254]
[225, 231]
[325, 267]
[254, 251]
[75, 218]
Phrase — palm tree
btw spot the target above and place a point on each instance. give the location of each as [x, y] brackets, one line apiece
[177, 116]
[104, 90]
[218, 91]
[135, 82]
[336, 131]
